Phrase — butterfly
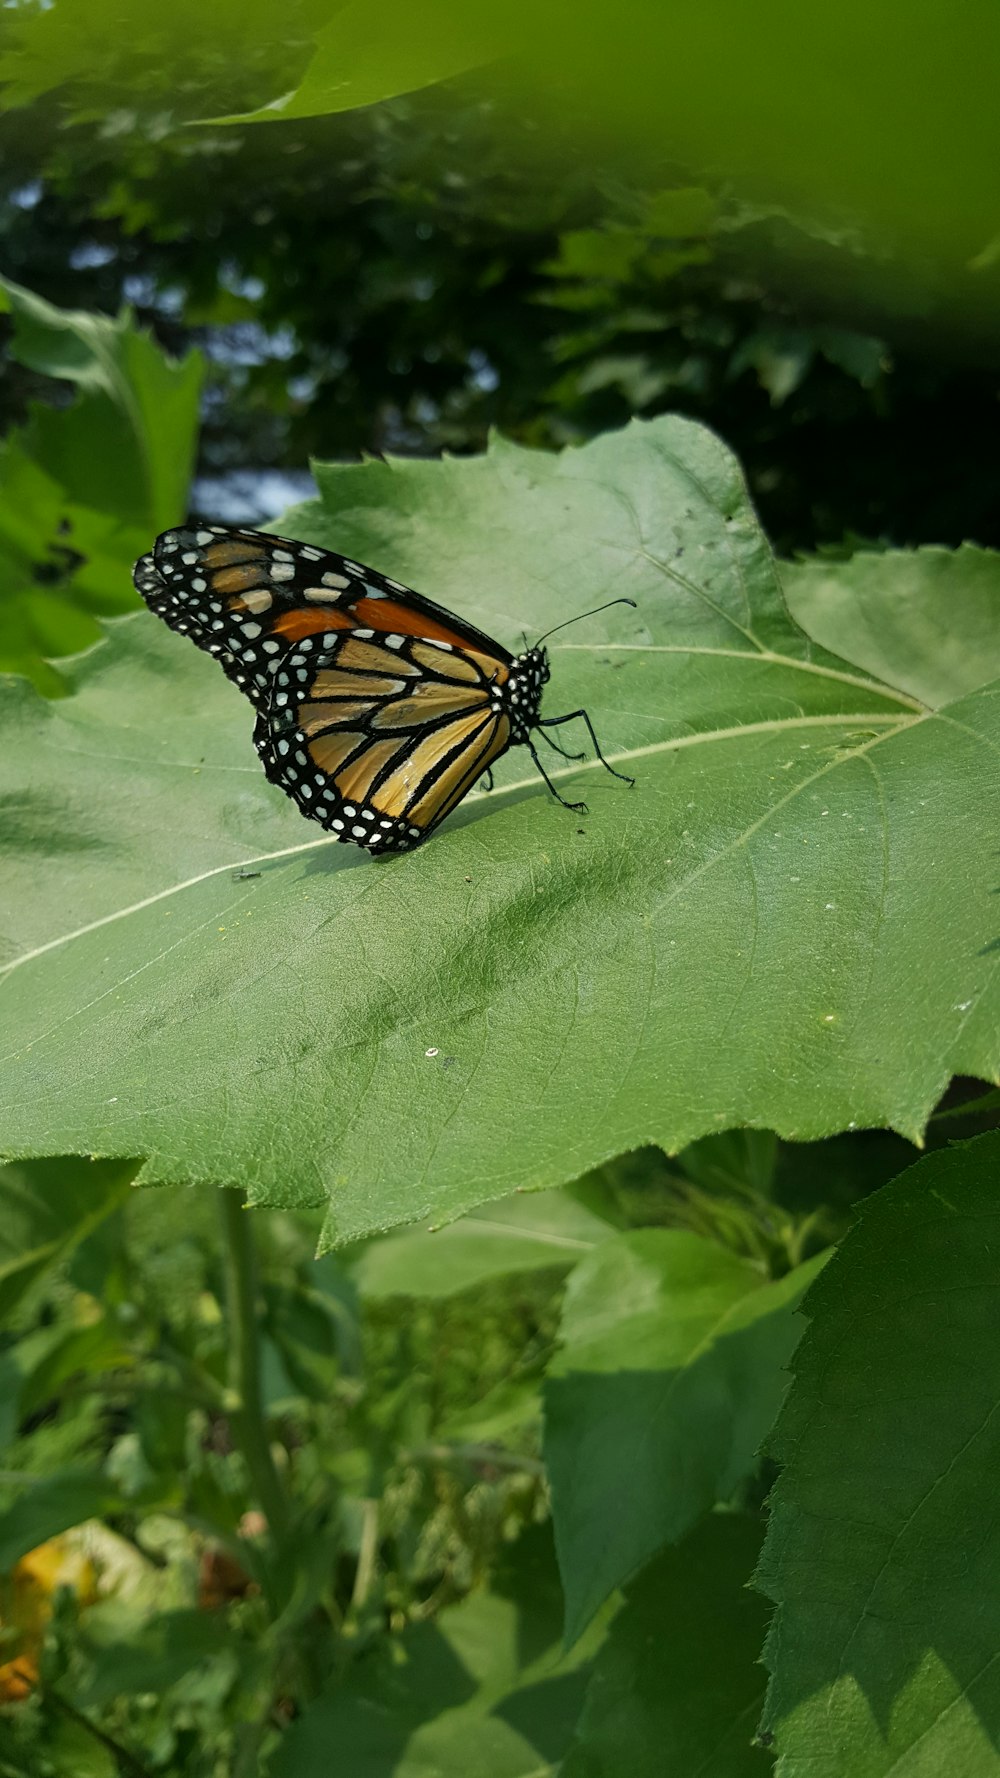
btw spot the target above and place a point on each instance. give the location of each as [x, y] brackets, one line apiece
[377, 711]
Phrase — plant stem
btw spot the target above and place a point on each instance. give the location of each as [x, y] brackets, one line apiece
[247, 1412]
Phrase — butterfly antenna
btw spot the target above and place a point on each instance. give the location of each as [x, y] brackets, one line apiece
[579, 619]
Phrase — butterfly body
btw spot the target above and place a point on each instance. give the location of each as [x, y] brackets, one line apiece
[377, 710]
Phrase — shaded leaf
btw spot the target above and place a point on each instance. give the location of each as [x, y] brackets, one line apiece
[884, 1544]
[151, 1654]
[669, 1376]
[677, 1687]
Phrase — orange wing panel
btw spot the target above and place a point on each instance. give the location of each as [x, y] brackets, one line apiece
[305, 621]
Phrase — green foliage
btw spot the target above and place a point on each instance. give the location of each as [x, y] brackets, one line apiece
[883, 1547]
[745, 894]
[48, 1211]
[263, 1513]
[892, 605]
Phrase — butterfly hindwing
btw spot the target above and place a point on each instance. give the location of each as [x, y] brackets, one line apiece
[379, 737]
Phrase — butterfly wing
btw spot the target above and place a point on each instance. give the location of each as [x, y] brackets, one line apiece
[246, 597]
[377, 709]
[379, 736]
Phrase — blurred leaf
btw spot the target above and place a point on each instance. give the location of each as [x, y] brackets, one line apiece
[92, 1350]
[771, 896]
[60, 1500]
[148, 1655]
[748, 95]
[528, 1232]
[884, 1536]
[46, 1209]
[781, 356]
[677, 1687]
[504, 1410]
[481, 1692]
[126, 446]
[112, 50]
[911, 616]
[372, 51]
[669, 1376]
[84, 485]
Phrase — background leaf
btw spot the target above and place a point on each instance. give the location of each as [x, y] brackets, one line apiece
[85, 485]
[669, 1376]
[884, 1544]
[48, 1208]
[59, 1500]
[759, 908]
[523, 1233]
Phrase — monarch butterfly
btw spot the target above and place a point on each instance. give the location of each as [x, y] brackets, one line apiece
[376, 709]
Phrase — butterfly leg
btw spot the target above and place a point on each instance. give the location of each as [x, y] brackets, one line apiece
[487, 779]
[578, 808]
[557, 749]
[554, 722]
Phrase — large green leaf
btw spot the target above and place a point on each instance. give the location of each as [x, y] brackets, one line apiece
[884, 1548]
[83, 486]
[755, 94]
[787, 922]
[481, 1692]
[677, 1687]
[669, 1378]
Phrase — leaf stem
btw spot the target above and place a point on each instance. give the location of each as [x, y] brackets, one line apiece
[494, 1457]
[246, 1410]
